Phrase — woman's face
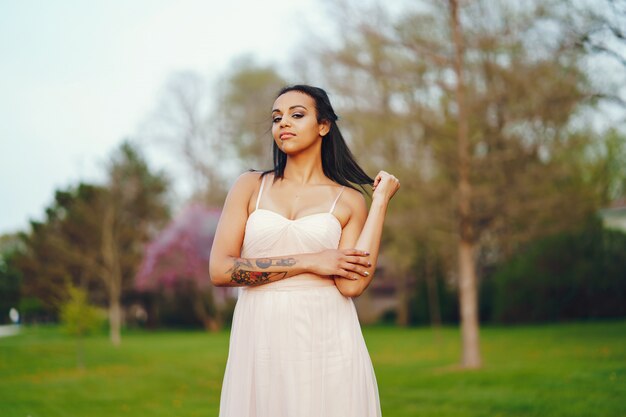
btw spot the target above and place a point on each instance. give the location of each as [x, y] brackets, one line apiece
[294, 123]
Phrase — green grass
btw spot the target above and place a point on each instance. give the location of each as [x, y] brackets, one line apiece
[575, 369]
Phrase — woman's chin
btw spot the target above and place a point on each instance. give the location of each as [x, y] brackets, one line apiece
[295, 148]
[288, 148]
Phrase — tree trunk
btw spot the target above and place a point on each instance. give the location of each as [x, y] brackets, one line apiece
[467, 268]
[113, 274]
[210, 323]
[468, 300]
[115, 316]
[432, 293]
[402, 316]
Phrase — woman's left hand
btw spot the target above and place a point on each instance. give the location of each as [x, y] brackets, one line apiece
[385, 186]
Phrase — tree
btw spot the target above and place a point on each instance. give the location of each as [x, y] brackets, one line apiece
[220, 129]
[183, 122]
[177, 260]
[599, 28]
[475, 121]
[244, 114]
[93, 237]
[603, 166]
[79, 319]
[133, 209]
[468, 288]
[62, 249]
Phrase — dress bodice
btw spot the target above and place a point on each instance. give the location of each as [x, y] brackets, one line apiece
[269, 234]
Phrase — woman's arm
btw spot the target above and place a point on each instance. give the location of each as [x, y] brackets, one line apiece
[227, 268]
[364, 231]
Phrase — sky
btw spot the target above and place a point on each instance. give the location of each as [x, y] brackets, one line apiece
[77, 77]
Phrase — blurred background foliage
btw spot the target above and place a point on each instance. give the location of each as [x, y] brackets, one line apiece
[544, 163]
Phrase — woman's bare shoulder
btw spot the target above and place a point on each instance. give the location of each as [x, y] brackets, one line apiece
[355, 202]
[355, 197]
[243, 188]
[247, 181]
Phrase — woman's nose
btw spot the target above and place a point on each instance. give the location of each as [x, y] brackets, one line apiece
[284, 121]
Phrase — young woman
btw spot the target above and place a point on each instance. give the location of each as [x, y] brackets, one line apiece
[301, 243]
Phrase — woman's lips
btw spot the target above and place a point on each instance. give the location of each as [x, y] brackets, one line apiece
[286, 135]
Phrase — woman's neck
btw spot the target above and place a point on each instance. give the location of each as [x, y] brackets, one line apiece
[305, 169]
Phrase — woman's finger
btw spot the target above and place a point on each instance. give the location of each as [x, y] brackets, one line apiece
[355, 252]
[356, 269]
[349, 275]
[354, 259]
[377, 179]
[363, 261]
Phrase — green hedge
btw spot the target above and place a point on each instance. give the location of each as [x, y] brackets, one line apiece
[576, 275]
[569, 276]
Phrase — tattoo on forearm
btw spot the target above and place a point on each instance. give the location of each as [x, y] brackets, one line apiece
[267, 262]
[255, 278]
[241, 271]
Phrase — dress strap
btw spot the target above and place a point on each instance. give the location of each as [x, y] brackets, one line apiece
[336, 199]
[258, 198]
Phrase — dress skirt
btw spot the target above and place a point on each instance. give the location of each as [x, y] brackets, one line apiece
[298, 351]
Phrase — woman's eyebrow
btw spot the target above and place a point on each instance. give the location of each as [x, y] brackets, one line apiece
[290, 108]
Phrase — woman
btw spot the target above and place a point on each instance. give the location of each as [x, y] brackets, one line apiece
[300, 242]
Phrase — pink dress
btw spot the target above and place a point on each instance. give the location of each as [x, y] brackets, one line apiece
[296, 347]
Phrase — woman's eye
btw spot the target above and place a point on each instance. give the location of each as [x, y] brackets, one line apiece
[297, 115]
[276, 119]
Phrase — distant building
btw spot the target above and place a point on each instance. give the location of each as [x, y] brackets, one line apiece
[382, 296]
[614, 216]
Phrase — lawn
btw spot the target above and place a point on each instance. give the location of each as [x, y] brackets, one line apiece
[572, 369]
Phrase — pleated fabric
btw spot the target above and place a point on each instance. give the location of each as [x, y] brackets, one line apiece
[296, 347]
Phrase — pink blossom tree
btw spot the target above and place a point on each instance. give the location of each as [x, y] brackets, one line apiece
[178, 258]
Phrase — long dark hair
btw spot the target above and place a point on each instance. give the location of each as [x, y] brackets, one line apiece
[338, 162]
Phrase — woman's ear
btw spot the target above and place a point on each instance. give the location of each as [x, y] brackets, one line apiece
[324, 128]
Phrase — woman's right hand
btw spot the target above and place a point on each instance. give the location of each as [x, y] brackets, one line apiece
[343, 263]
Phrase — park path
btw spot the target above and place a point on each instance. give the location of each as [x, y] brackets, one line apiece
[9, 329]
